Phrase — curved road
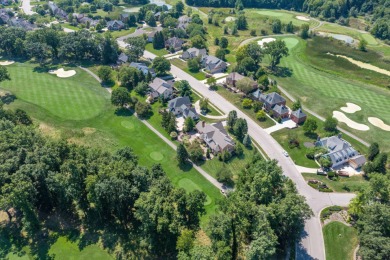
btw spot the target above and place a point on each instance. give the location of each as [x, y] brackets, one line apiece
[312, 244]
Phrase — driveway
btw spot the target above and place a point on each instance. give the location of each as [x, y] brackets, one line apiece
[285, 124]
[26, 6]
[312, 243]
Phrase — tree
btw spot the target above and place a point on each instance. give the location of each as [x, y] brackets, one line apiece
[362, 45]
[238, 150]
[247, 142]
[193, 65]
[4, 75]
[181, 154]
[373, 151]
[290, 27]
[141, 88]
[224, 175]
[185, 241]
[247, 103]
[197, 41]
[135, 47]
[105, 74]
[195, 151]
[223, 43]
[310, 125]
[110, 49]
[240, 128]
[253, 32]
[246, 85]
[184, 88]
[296, 105]
[143, 109]
[235, 30]
[304, 31]
[261, 116]
[231, 120]
[276, 50]
[161, 65]
[276, 26]
[120, 97]
[150, 19]
[220, 54]
[179, 7]
[189, 124]
[128, 77]
[212, 82]
[241, 22]
[325, 162]
[158, 41]
[330, 124]
[247, 65]
[204, 105]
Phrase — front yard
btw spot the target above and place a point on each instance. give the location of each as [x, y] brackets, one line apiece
[183, 66]
[343, 184]
[161, 52]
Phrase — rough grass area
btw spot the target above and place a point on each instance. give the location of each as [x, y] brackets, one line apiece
[183, 66]
[340, 241]
[74, 98]
[322, 89]
[161, 52]
[343, 184]
[285, 16]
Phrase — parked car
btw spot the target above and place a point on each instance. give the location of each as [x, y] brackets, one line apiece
[285, 153]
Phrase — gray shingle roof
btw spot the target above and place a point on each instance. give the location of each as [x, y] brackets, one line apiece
[215, 136]
[178, 102]
[272, 98]
[298, 113]
[280, 109]
[159, 85]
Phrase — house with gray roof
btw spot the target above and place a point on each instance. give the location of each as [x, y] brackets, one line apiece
[280, 111]
[182, 106]
[56, 11]
[256, 94]
[122, 58]
[213, 64]
[215, 137]
[183, 22]
[194, 53]
[21, 23]
[4, 16]
[160, 88]
[115, 25]
[143, 68]
[174, 43]
[298, 116]
[272, 99]
[340, 152]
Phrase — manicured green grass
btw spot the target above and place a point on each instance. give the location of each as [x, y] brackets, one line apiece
[183, 66]
[110, 132]
[117, 34]
[343, 184]
[190, 186]
[340, 241]
[162, 52]
[66, 25]
[324, 91]
[73, 98]
[285, 16]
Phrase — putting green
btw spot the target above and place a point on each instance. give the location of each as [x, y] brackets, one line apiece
[75, 98]
[271, 13]
[157, 156]
[189, 186]
[290, 42]
[127, 124]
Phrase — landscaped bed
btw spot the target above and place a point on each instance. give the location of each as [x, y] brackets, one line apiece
[342, 184]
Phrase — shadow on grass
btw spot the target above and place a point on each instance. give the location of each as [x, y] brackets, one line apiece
[11, 241]
[312, 136]
[282, 72]
[124, 112]
[7, 98]
[186, 167]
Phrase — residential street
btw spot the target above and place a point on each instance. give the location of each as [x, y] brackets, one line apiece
[312, 244]
[26, 6]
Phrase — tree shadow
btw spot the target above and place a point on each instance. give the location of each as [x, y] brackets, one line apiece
[283, 72]
[124, 112]
[186, 167]
[312, 136]
[108, 84]
[8, 98]
[11, 241]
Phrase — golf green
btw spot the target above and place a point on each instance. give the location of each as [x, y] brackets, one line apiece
[157, 156]
[291, 42]
[74, 98]
[127, 124]
[189, 186]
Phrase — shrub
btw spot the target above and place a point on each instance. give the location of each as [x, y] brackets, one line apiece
[261, 116]
[247, 103]
[325, 213]
[173, 135]
[331, 175]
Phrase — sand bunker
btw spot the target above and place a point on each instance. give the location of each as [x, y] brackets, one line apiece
[302, 18]
[230, 19]
[265, 40]
[6, 63]
[61, 73]
[363, 65]
[351, 108]
[379, 123]
[340, 116]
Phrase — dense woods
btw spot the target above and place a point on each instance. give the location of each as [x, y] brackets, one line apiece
[375, 11]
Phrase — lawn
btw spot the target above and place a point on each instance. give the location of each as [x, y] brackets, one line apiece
[117, 34]
[284, 16]
[73, 98]
[343, 184]
[162, 52]
[340, 241]
[183, 66]
[323, 91]
[106, 130]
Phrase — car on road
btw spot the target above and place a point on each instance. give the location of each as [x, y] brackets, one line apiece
[285, 153]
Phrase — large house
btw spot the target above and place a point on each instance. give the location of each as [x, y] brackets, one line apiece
[341, 152]
[213, 64]
[194, 53]
[174, 43]
[184, 21]
[122, 58]
[21, 23]
[233, 77]
[143, 68]
[115, 25]
[298, 116]
[182, 106]
[280, 111]
[215, 137]
[56, 11]
[272, 99]
[160, 88]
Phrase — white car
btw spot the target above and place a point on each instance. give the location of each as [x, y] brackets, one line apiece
[285, 153]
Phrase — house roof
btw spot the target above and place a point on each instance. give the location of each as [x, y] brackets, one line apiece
[20, 22]
[272, 98]
[215, 135]
[298, 113]
[159, 85]
[112, 23]
[256, 94]
[235, 76]
[123, 57]
[174, 42]
[125, 15]
[195, 52]
[212, 61]
[179, 101]
[281, 110]
[142, 67]
[190, 112]
[338, 149]
[359, 159]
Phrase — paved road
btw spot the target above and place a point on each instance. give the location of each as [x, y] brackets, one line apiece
[26, 6]
[312, 244]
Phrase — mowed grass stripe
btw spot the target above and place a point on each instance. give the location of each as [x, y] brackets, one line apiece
[71, 98]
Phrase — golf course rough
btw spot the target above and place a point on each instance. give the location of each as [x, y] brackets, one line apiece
[189, 186]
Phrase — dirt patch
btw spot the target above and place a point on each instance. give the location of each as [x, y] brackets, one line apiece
[49, 130]
[89, 130]
[230, 19]
[351, 108]
[340, 116]
[61, 73]
[6, 63]
[202, 238]
[265, 40]
[379, 123]
[302, 18]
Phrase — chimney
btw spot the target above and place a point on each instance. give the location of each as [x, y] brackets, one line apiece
[203, 123]
[339, 135]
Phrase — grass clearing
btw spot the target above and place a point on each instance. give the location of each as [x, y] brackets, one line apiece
[183, 66]
[162, 52]
[343, 184]
[285, 17]
[340, 241]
